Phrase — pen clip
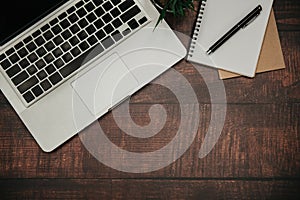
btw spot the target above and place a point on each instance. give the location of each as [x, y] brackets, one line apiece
[251, 20]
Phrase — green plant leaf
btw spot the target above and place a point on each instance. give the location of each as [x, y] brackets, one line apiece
[176, 7]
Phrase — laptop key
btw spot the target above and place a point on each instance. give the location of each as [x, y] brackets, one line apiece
[115, 12]
[49, 58]
[36, 33]
[41, 51]
[89, 7]
[98, 2]
[107, 6]
[67, 57]
[39, 41]
[28, 39]
[50, 69]
[20, 78]
[13, 70]
[40, 64]
[2, 56]
[116, 2]
[14, 58]
[65, 24]
[126, 31]
[73, 41]
[74, 29]
[56, 29]
[58, 63]
[107, 18]
[22, 52]
[117, 35]
[49, 46]
[41, 75]
[117, 23]
[66, 34]
[91, 17]
[100, 35]
[28, 96]
[83, 46]
[55, 78]
[24, 63]
[62, 16]
[108, 28]
[133, 24]
[82, 35]
[32, 57]
[126, 4]
[65, 46]
[48, 35]
[70, 10]
[75, 52]
[31, 70]
[58, 40]
[99, 24]
[79, 4]
[53, 22]
[57, 52]
[19, 45]
[37, 91]
[143, 20]
[5, 64]
[92, 40]
[99, 11]
[130, 13]
[107, 42]
[31, 46]
[81, 12]
[46, 85]
[83, 23]
[28, 84]
[45, 27]
[73, 18]
[10, 51]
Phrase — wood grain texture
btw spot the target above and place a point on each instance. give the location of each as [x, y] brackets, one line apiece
[257, 141]
[118, 189]
[256, 157]
[288, 15]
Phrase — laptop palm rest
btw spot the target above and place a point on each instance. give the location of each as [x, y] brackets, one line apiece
[106, 84]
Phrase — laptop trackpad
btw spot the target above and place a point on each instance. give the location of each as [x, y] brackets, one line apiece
[107, 83]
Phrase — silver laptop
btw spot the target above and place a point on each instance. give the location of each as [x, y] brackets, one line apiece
[86, 55]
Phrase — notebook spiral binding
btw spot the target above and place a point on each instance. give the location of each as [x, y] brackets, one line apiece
[197, 28]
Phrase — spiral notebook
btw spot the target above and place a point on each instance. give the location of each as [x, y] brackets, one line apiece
[241, 52]
[271, 56]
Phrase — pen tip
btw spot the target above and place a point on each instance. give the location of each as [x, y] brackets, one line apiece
[208, 52]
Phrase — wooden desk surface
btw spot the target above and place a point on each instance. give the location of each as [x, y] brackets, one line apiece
[256, 157]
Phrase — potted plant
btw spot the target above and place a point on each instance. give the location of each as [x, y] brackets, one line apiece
[175, 7]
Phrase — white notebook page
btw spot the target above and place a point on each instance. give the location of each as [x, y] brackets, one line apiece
[241, 52]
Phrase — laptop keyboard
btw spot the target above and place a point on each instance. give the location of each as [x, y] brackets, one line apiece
[53, 53]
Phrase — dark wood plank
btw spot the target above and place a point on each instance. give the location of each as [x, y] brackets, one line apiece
[55, 189]
[287, 14]
[258, 140]
[214, 189]
[118, 189]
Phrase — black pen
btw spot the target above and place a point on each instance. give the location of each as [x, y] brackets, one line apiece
[242, 24]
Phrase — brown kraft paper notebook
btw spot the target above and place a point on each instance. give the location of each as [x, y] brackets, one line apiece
[271, 57]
